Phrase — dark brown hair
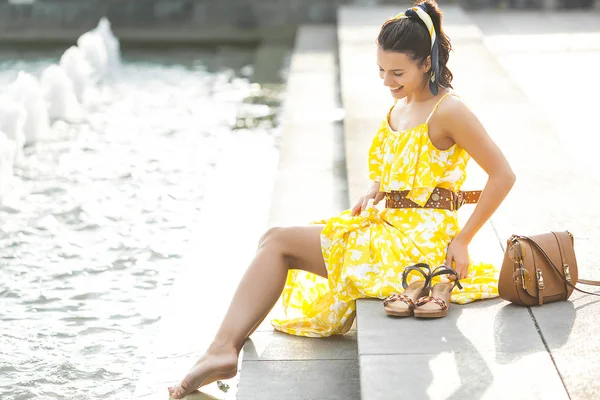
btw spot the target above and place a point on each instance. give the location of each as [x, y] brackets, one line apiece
[410, 36]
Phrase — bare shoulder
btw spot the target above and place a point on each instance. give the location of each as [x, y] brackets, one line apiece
[453, 108]
[457, 119]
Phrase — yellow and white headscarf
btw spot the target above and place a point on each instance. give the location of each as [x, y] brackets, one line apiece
[420, 12]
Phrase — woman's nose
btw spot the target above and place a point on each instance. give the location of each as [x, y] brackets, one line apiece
[387, 81]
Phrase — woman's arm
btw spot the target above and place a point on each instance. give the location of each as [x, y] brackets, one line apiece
[462, 126]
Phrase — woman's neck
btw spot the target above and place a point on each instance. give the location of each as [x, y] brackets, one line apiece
[421, 96]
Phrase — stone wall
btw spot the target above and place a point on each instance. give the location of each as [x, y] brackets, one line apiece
[69, 14]
[161, 20]
[193, 20]
[527, 4]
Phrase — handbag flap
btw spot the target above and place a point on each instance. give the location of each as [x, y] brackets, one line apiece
[554, 281]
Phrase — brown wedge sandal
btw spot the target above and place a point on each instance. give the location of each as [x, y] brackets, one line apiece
[436, 305]
[403, 305]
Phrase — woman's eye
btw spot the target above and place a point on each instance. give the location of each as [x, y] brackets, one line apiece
[398, 74]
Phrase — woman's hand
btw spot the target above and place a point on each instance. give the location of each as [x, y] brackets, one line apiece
[458, 254]
[372, 193]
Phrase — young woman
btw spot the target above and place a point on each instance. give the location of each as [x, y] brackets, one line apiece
[417, 163]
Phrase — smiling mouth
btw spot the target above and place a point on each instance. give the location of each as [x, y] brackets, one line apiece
[396, 89]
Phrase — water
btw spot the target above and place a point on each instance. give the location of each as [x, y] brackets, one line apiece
[91, 238]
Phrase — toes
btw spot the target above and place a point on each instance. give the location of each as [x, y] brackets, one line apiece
[182, 389]
[174, 392]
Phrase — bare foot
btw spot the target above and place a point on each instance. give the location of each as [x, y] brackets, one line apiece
[213, 366]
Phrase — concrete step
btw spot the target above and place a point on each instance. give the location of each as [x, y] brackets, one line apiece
[277, 365]
[310, 184]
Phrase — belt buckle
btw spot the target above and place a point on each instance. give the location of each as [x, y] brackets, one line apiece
[460, 200]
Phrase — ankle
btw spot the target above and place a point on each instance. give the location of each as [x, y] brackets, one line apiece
[221, 346]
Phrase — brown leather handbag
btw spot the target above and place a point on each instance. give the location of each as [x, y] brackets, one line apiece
[540, 269]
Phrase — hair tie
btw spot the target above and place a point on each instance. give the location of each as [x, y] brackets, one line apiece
[420, 11]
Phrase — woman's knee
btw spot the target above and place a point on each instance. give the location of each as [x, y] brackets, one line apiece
[299, 246]
[271, 237]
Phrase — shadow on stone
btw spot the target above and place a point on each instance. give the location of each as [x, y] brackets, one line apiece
[512, 344]
[581, 307]
[437, 359]
[473, 371]
[250, 350]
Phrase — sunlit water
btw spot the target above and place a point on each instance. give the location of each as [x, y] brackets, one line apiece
[101, 215]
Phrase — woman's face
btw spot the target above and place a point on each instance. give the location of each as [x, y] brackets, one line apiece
[400, 73]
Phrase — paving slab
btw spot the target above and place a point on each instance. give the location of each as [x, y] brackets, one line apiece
[481, 327]
[277, 346]
[570, 330]
[457, 376]
[300, 380]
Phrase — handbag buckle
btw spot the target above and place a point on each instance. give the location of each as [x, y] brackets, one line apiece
[567, 272]
[523, 282]
[521, 276]
[540, 278]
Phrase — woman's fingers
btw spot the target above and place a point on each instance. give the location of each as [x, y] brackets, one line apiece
[378, 197]
[462, 268]
[358, 207]
[449, 260]
[363, 202]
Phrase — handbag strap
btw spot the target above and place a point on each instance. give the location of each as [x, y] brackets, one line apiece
[584, 281]
[587, 282]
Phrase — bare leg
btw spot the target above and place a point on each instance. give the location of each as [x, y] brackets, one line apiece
[258, 324]
[279, 250]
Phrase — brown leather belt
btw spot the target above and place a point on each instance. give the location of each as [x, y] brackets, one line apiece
[440, 198]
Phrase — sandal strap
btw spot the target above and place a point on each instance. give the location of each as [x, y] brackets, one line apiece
[429, 299]
[417, 267]
[402, 297]
[446, 270]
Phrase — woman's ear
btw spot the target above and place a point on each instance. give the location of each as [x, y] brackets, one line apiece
[427, 64]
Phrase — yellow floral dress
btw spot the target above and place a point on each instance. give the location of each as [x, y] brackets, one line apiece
[366, 254]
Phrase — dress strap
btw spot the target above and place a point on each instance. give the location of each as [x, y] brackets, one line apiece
[438, 104]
